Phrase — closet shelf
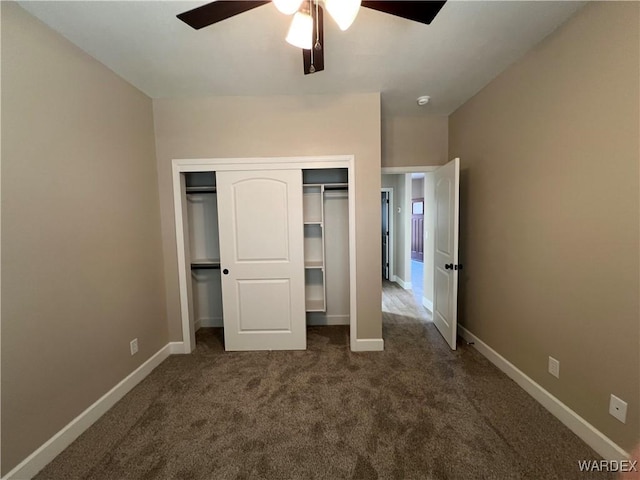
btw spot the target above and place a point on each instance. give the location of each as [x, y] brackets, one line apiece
[313, 222]
[328, 186]
[201, 189]
[205, 264]
[315, 305]
[314, 264]
[336, 186]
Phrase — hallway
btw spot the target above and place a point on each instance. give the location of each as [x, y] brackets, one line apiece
[398, 301]
[417, 280]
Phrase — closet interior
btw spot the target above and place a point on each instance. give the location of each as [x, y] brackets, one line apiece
[326, 247]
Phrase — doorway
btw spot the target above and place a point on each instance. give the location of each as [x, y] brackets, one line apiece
[387, 233]
[433, 193]
[410, 241]
[417, 229]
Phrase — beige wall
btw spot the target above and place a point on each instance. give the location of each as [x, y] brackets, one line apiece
[81, 254]
[550, 213]
[270, 127]
[414, 141]
[417, 188]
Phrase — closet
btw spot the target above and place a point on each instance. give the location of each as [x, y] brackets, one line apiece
[204, 249]
[322, 211]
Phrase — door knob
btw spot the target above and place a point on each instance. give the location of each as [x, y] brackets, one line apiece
[225, 271]
[448, 266]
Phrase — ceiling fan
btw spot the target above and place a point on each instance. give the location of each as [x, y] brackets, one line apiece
[307, 27]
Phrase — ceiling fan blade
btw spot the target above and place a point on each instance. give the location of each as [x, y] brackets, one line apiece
[418, 11]
[217, 11]
[318, 55]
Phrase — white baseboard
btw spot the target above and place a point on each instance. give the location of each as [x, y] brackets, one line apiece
[321, 320]
[367, 345]
[39, 459]
[578, 425]
[428, 304]
[176, 348]
[403, 284]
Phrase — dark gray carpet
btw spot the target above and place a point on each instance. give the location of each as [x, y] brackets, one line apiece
[415, 411]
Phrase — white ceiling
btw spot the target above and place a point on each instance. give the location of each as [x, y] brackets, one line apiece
[467, 45]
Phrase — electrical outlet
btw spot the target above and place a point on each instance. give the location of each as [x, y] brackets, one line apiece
[618, 408]
[554, 367]
[134, 346]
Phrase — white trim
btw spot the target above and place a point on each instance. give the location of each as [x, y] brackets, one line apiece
[401, 170]
[180, 166]
[179, 192]
[578, 425]
[392, 252]
[39, 459]
[428, 304]
[403, 284]
[368, 345]
[353, 302]
[176, 348]
[264, 163]
[321, 320]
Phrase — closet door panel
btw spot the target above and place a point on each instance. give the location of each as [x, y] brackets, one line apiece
[261, 206]
[261, 249]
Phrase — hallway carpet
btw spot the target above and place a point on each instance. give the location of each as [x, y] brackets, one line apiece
[415, 411]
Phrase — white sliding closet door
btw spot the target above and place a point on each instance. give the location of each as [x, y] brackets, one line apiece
[262, 259]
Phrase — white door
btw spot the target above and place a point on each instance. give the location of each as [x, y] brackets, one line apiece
[445, 288]
[262, 259]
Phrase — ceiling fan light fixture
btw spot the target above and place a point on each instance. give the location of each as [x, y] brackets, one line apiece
[344, 12]
[301, 31]
[288, 7]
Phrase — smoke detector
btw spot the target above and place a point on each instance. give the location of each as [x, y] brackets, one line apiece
[423, 100]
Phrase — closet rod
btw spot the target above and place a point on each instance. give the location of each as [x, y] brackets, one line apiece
[201, 189]
[205, 266]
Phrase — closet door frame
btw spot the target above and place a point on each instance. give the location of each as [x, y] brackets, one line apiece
[181, 166]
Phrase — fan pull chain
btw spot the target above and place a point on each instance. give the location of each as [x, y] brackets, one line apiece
[317, 46]
[312, 68]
